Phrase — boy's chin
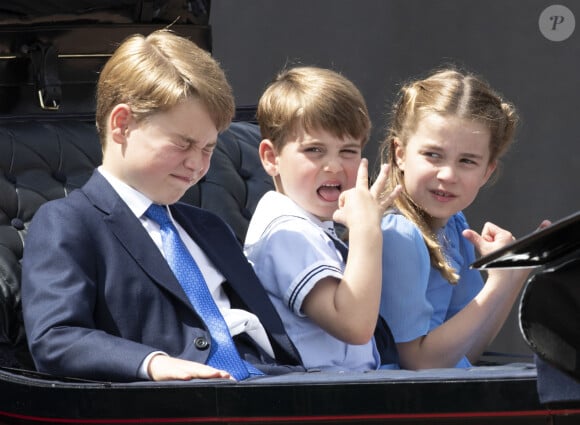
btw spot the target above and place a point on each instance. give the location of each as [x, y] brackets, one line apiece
[167, 200]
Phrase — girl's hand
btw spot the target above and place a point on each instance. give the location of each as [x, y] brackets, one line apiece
[491, 239]
[494, 237]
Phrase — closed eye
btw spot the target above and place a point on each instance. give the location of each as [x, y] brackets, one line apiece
[350, 151]
[181, 144]
[187, 144]
[208, 149]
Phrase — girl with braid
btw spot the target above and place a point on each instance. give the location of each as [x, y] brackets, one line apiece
[446, 137]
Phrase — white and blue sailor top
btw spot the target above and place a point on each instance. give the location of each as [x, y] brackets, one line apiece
[291, 251]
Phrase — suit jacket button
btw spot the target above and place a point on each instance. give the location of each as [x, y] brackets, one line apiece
[201, 343]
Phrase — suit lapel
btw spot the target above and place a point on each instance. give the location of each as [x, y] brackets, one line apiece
[131, 234]
[223, 249]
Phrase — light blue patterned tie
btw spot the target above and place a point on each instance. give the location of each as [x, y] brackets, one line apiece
[223, 354]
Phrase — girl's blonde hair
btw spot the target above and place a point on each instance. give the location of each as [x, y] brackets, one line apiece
[450, 93]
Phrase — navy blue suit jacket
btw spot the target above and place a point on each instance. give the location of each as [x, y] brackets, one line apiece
[98, 296]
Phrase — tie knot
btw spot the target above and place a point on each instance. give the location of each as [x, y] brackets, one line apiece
[158, 213]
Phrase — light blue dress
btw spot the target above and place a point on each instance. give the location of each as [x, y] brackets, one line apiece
[415, 297]
[291, 251]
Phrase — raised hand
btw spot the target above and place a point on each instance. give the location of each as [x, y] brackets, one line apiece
[362, 203]
[494, 237]
[332, 303]
[378, 190]
[491, 239]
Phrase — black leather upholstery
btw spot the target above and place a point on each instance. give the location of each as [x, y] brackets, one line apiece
[45, 160]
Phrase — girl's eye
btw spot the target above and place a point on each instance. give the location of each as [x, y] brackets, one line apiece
[469, 161]
[431, 155]
[313, 149]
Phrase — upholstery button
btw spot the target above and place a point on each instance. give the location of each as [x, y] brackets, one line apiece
[59, 176]
[17, 224]
[201, 342]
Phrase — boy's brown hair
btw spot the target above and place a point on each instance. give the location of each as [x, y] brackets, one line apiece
[312, 98]
[155, 73]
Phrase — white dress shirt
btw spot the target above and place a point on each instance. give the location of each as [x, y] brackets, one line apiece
[238, 321]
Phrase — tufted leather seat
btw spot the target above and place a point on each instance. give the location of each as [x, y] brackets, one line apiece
[42, 160]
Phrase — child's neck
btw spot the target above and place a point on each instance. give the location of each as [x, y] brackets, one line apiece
[436, 224]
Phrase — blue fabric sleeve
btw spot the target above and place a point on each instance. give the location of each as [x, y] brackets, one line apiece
[297, 255]
[406, 268]
[470, 281]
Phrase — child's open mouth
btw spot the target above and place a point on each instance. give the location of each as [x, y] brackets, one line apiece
[329, 192]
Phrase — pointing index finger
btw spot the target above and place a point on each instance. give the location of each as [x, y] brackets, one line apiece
[362, 177]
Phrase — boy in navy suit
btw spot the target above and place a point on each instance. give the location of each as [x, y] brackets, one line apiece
[99, 299]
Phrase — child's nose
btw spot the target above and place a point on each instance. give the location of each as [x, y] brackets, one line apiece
[195, 160]
[333, 165]
[446, 172]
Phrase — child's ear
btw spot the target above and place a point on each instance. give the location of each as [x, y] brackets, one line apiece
[269, 157]
[119, 122]
[399, 153]
[489, 172]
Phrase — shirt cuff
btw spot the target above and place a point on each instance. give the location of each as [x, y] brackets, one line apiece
[142, 372]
